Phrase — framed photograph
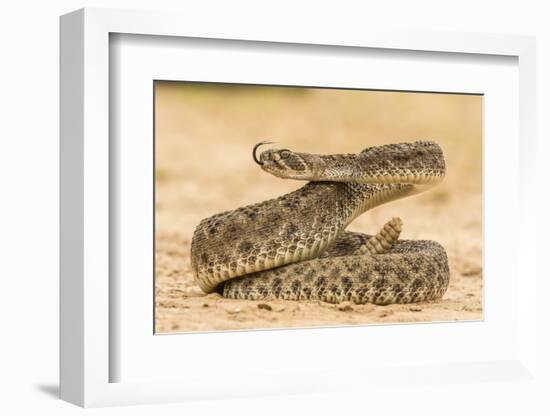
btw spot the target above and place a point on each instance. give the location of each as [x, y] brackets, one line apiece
[263, 211]
[352, 281]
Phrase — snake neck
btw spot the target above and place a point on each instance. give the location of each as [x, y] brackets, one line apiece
[363, 197]
[418, 163]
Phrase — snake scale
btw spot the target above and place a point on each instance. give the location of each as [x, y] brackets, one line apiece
[295, 246]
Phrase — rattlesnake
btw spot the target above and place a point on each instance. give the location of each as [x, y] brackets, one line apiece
[295, 246]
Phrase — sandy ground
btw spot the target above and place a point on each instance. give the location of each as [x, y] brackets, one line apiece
[204, 136]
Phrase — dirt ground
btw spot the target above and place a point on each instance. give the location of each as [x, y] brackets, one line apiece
[204, 136]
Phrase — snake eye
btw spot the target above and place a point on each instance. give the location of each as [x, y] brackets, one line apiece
[285, 153]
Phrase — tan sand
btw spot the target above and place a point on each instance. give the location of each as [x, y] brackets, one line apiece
[204, 136]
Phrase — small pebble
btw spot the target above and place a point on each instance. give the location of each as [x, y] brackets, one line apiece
[346, 308]
[205, 305]
[415, 309]
[264, 306]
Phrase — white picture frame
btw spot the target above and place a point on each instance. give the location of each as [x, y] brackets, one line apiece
[87, 356]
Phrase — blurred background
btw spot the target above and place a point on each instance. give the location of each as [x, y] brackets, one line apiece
[204, 134]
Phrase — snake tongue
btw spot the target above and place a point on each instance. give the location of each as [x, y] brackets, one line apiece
[255, 148]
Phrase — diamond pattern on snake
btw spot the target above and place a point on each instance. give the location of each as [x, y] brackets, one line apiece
[296, 246]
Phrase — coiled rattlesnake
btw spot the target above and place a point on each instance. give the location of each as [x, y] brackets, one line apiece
[295, 246]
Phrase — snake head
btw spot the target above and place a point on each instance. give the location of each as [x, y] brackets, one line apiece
[285, 163]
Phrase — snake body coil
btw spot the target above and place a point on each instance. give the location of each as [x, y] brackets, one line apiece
[295, 246]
